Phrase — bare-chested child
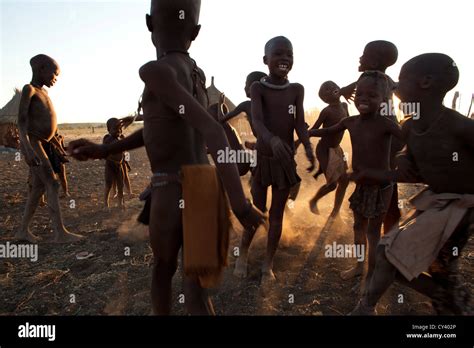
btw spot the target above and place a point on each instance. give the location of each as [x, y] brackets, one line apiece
[173, 140]
[329, 154]
[370, 138]
[378, 56]
[277, 111]
[438, 153]
[246, 106]
[37, 125]
[114, 169]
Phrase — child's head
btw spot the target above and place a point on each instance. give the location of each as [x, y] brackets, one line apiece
[279, 56]
[251, 78]
[428, 75]
[45, 69]
[174, 20]
[378, 55]
[329, 92]
[114, 127]
[371, 92]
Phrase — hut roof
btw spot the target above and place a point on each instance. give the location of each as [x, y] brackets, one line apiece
[9, 113]
[213, 92]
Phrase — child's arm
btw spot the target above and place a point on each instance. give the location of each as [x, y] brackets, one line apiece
[394, 129]
[301, 128]
[319, 121]
[238, 110]
[30, 156]
[84, 149]
[348, 91]
[341, 126]
[162, 81]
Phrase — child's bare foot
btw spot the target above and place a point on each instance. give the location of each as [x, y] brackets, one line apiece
[66, 237]
[240, 270]
[27, 236]
[352, 272]
[313, 206]
[363, 309]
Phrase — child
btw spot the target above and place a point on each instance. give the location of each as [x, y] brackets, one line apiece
[328, 152]
[277, 111]
[114, 169]
[440, 142]
[245, 106]
[370, 138]
[378, 56]
[177, 133]
[37, 126]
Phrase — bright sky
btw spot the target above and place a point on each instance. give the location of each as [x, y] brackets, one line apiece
[100, 45]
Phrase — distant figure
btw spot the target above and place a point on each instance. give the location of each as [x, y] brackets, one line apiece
[277, 111]
[37, 125]
[442, 220]
[114, 170]
[378, 56]
[246, 106]
[370, 138]
[329, 153]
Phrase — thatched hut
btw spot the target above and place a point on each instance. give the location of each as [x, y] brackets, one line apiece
[240, 123]
[9, 121]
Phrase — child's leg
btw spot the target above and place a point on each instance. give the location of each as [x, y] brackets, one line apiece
[197, 301]
[63, 180]
[340, 193]
[279, 198]
[126, 180]
[259, 196]
[360, 238]
[393, 213]
[322, 154]
[51, 185]
[109, 182]
[119, 181]
[166, 239]
[373, 238]
[323, 191]
[35, 192]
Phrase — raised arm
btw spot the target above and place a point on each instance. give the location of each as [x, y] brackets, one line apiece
[162, 82]
[30, 156]
[234, 113]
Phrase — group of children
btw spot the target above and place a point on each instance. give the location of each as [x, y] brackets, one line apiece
[185, 193]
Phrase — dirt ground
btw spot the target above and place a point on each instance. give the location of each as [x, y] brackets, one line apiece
[111, 282]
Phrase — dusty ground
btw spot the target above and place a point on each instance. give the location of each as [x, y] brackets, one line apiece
[112, 283]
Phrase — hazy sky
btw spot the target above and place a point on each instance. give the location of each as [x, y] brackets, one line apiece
[100, 45]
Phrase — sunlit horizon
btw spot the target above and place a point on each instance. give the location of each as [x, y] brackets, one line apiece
[100, 45]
